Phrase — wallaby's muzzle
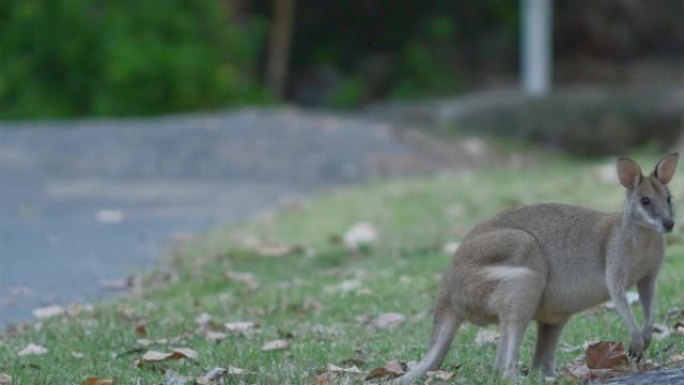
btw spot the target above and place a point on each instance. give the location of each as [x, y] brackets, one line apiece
[668, 224]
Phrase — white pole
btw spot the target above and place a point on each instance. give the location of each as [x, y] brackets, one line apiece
[536, 48]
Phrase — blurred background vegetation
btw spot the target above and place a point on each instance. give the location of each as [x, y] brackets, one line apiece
[71, 58]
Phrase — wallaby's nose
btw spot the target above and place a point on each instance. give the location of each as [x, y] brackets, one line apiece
[668, 224]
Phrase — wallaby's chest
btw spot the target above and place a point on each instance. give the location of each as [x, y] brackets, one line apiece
[642, 258]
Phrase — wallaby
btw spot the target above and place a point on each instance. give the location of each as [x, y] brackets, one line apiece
[546, 262]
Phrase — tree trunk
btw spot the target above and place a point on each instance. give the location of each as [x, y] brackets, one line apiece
[279, 46]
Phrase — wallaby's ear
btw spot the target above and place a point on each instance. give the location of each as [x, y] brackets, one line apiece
[665, 169]
[628, 172]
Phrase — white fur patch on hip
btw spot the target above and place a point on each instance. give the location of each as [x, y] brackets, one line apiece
[503, 272]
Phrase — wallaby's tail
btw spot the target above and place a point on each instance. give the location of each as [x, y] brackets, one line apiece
[443, 333]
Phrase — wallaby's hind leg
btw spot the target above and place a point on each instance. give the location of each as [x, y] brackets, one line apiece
[548, 336]
[512, 332]
[517, 296]
[445, 324]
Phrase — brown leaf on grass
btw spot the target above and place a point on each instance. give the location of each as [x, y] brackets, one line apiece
[152, 356]
[140, 329]
[606, 355]
[248, 279]
[241, 327]
[276, 345]
[579, 370]
[98, 381]
[391, 369]
[32, 349]
[5, 379]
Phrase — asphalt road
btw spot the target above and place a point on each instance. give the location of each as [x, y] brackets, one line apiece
[91, 201]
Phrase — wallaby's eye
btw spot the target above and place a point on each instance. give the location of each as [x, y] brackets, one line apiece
[645, 201]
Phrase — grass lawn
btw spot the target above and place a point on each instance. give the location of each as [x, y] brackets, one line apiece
[321, 298]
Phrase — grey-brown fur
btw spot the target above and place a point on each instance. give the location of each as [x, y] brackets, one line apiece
[546, 262]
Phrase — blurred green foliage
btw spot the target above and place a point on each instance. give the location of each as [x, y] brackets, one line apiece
[364, 50]
[125, 57]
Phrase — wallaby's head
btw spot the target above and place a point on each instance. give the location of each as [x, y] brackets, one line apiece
[648, 199]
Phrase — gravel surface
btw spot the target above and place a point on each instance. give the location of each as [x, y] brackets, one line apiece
[85, 203]
[659, 377]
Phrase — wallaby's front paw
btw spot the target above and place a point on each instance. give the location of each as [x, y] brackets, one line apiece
[636, 347]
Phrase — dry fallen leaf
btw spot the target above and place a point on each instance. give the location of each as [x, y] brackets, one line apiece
[216, 375]
[391, 369]
[215, 336]
[144, 342]
[437, 376]
[32, 349]
[77, 354]
[276, 345]
[152, 356]
[606, 355]
[678, 327]
[213, 375]
[274, 251]
[389, 320]
[140, 329]
[486, 336]
[248, 279]
[660, 332]
[48, 312]
[676, 358]
[360, 235]
[173, 378]
[241, 327]
[203, 320]
[344, 286]
[98, 381]
[332, 374]
[5, 379]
